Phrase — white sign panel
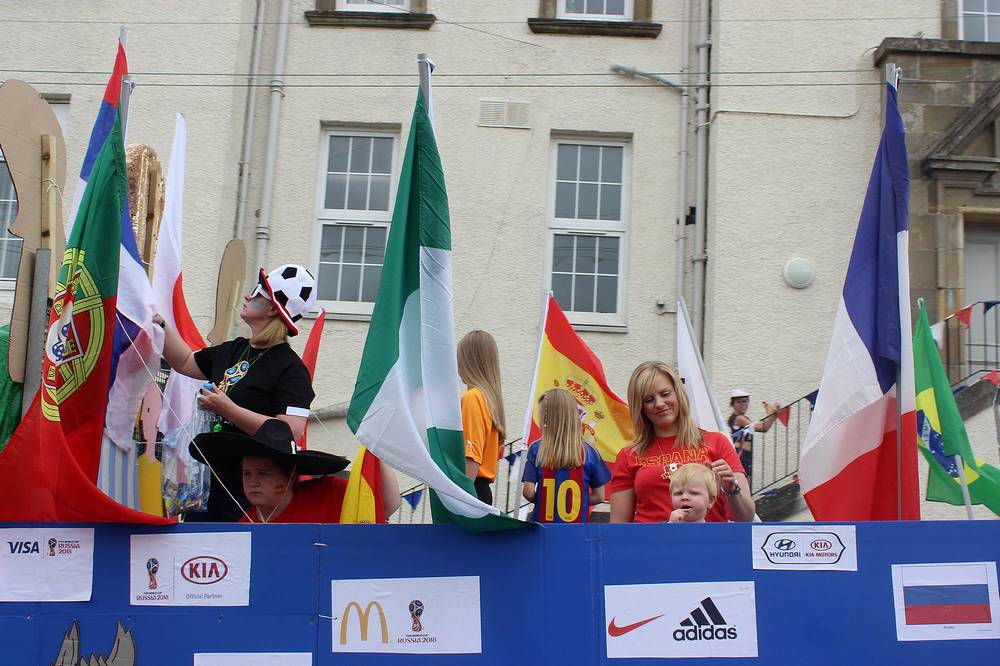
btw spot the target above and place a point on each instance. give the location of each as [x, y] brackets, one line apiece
[936, 602]
[42, 564]
[412, 615]
[208, 569]
[805, 548]
[253, 659]
[664, 620]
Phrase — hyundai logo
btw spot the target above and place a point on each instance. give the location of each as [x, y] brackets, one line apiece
[784, 544]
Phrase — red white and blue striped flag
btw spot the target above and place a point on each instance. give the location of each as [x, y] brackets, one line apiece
[852, 467]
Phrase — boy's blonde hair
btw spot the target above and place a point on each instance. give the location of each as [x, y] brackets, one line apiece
[641, 383]
[562, 440]
[697, 472]
[479, 367]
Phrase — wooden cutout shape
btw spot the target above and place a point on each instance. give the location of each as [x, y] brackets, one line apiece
[232, 270]
[25, 118]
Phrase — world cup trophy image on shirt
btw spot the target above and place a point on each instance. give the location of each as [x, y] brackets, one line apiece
[152, 566]
[52, 547]
[416, 610]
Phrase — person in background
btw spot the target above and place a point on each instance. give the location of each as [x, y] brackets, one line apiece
[271, 464]
[666, 438]
[251, 380]
[483, 421]
[693, 491]
[563, 475]
[738, 422]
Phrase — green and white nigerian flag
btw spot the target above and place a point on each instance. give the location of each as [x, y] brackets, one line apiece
[406, 403]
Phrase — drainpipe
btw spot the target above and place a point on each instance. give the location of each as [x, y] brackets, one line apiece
[246, 149]
[682, 153]
[271, 147]
[701, 170]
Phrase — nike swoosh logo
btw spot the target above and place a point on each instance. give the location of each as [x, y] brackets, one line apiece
[615, 630]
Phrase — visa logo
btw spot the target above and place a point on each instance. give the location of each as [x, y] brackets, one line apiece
[23, 547]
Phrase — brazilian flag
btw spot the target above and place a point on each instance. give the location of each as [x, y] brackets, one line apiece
[942, 431]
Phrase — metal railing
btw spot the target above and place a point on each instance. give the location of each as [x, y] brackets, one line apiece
[968, 351]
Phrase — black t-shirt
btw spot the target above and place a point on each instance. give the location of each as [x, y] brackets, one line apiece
[270, 381]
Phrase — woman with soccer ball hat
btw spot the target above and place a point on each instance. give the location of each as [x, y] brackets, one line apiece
[250, 380]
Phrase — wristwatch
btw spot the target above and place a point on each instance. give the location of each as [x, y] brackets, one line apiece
[735, 492]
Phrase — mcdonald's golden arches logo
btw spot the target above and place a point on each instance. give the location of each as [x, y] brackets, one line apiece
[363, 617]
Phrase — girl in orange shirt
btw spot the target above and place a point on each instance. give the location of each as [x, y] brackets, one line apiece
[483, 421]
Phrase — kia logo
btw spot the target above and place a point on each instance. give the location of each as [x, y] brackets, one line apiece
[784, 544]
[204, 570]
[821, 544]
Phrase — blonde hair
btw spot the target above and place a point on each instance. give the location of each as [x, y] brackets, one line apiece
[639, 385]
[479, 367]
[562, 440]
[272, 334]
[697, 472]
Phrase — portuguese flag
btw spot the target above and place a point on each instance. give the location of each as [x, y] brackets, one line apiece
[48, 469]
[406, 404]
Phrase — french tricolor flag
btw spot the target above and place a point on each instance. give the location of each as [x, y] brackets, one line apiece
[852, 467]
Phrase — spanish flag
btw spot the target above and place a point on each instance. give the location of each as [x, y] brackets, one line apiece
[363, 497]
[565, 361]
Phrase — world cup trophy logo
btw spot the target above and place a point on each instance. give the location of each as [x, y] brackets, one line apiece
[152, 566]
[416, 610]
[52, 547]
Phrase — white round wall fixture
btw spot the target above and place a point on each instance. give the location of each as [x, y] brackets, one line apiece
[799, 273]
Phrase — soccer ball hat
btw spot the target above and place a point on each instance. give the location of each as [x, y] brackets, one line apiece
[292, 289]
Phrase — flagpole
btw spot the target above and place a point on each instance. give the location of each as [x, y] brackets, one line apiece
[425, 66]
[126, 92]
[960, 465]
[892, 78]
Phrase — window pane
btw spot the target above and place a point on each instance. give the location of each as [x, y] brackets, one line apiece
[585, 254]
[361, 152]
[357, 192]
[562, 289]
[329, 250]
[583, 293]
[595, 6]
[353, 241]
[382, 155]
[375, 245]
[566, 158]
[588, 202]
[611, 164]
[590, 163]
[378, 196]
[350, 283]
[973, 5]
[562, 254]
[974, 28]
[993, 6]
[12, 253]
[607, 294]
[565, 199]
[327, 288]
[370, 288]
[336, 191]
[616, 7]
[611, 202]
[607, 255]
[339, 147]
[575, 6]
[993, 28]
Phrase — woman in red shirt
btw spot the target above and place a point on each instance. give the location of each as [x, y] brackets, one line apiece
[666, 437]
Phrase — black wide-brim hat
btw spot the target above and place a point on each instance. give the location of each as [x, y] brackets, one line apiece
[272, 440]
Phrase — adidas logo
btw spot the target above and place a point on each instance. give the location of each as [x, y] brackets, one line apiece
[705, 624]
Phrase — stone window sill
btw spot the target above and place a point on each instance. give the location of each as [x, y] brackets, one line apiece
[555, 26]
[399, 21]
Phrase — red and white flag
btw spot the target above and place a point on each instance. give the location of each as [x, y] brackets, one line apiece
[168, 285]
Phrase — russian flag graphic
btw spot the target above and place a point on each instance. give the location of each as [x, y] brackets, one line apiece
[947, 604]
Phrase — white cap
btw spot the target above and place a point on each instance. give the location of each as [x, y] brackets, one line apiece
[740, 393]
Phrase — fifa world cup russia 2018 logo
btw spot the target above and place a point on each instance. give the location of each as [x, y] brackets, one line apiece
[152, 566]
[52, 547]
[416, 610]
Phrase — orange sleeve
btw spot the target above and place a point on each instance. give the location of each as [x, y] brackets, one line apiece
[475, 424]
